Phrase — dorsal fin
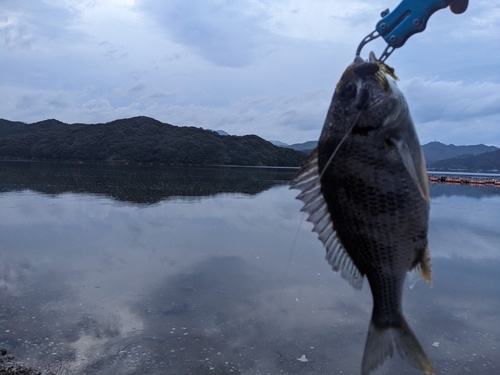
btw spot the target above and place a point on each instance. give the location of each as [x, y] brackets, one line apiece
[307, 180]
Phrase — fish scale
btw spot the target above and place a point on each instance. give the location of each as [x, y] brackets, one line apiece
[365, 190]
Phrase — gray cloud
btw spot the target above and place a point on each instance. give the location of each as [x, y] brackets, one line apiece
[28, 101]
[454, 112]
[15, 35]
[137, 87]
[25, 23]
[111, 51]
[220, 32]
[433, 100]
[161, 94]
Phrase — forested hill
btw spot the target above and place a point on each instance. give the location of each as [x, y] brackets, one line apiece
[138, 139]
[486, 162]
[435, 151]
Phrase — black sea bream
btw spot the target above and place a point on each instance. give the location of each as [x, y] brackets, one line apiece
[365, 190]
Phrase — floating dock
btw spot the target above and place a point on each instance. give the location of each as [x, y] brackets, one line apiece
[465, 180]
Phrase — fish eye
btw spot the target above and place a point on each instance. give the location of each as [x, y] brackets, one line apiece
[348, 91]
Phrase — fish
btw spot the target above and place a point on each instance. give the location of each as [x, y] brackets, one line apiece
[365, 190]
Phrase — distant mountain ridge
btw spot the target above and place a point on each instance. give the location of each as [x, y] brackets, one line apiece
[484, 162]
[148, 140]
[220, 132]
[435, 151]
[141, 139]
[441, 156]
[280, 144]
[305, 147]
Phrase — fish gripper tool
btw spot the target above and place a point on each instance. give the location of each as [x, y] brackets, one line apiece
[408, 18]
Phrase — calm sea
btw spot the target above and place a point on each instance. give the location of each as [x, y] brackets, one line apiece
[163, 270]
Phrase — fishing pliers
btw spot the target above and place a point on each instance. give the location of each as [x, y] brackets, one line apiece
[408, 18]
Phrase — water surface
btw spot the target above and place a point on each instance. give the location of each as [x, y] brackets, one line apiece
[161, 270]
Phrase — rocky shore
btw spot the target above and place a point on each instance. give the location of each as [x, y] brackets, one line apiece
[9, 367]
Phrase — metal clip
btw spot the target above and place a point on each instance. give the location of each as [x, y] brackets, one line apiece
[367, 39]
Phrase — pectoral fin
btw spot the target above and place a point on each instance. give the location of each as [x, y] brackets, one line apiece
[418, 175]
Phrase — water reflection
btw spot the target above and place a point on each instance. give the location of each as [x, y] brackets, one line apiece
[206, 287]
[470, 191]
[138, 184]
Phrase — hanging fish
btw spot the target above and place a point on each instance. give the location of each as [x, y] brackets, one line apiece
[365, 190]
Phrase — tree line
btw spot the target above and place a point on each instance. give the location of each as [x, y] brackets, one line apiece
[486, 162]
[141, 139]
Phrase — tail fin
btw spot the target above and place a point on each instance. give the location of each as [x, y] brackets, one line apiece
[380, 344]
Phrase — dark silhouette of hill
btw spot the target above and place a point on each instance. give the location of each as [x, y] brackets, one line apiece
[489, 161]
[138, 139]
[435, 151]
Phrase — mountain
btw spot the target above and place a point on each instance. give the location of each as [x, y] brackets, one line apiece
[220, 132]
[485, 162]
[306, 146]
[138, 139]
[280, 144]
[435, 151]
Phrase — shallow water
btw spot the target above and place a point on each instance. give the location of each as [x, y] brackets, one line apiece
[162, 270]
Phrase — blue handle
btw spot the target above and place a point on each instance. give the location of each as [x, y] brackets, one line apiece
[409, 17]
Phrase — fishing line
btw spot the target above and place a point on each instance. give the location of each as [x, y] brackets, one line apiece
[280, 304]
[281, 331]
[290, 256]
[293, 246]
[342, 140]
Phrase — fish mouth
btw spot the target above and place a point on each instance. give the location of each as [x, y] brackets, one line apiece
[366, 69]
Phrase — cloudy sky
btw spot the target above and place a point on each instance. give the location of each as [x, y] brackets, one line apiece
[265, 67]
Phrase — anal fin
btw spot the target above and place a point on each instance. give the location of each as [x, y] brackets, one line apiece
[423, 269]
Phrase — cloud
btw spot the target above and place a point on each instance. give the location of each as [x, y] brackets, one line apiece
[318, 20]
[97, 105]
[39, 104]
[432, 100]
[474, 131]
[453, 111]
[137, 87]
[111, 51]
[483, 20]
[273, 117]
[26, 24]
[220, 31]
[14, 34]
[237, 34]
[159, 93]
